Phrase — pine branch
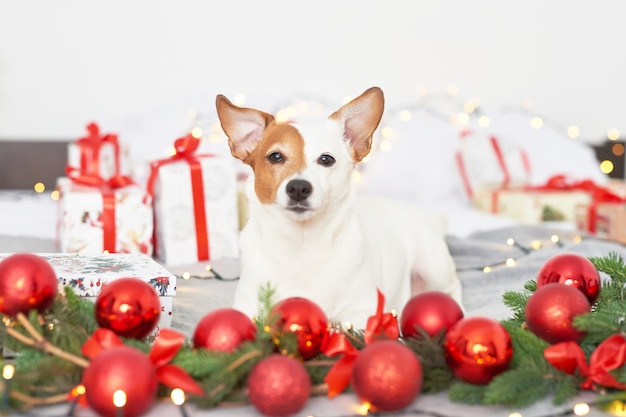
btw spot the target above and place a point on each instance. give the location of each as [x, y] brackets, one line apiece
[518, 388]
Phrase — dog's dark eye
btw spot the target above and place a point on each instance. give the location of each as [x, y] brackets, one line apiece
[275, 157]
[326, 160]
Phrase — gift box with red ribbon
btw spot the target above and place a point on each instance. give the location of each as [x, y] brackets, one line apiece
[87, 274]
[195, 205]
[557, 200]
[97, 154]
[97, 215]
[605, 216]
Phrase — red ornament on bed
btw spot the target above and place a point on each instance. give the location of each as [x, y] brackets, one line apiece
[387, 375]
[574, 270]
[129, 307]
[27, 282]
[304, 318]
[477, 349]
[223, 330]
[432, 312]
[551, 309]
[278, 385]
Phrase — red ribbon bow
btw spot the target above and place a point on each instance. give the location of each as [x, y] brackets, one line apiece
[90, 147]
[609, 355]
[185, 151]
[379, 326]
[164, 349]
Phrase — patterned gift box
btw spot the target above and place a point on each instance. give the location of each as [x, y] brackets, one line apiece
[97, 154]
[86, 275]
[195, 206]
[604, 220]
[95, 219]
[530, 205]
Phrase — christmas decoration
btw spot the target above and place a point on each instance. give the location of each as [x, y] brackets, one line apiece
[128, 306]
[279, 385]
[305, 319]
[387, 375]
[432, 312]
[120, 368]
[27, 282]
[574, 270]
[551, 309]
[477, 349]
[223, 330]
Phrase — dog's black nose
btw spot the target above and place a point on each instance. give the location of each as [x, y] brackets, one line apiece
[299, 190]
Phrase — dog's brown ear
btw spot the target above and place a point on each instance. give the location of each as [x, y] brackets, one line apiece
[243, 126]
[360, 118]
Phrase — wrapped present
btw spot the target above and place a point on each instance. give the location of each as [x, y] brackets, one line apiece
[195, 205]
[96, 216]
[97, 154]
[604, 220]
[531, 205]
[491, 162]
[86, 275]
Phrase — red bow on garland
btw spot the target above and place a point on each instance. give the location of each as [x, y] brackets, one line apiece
[165, 348]
[379, 326]
[609, 355]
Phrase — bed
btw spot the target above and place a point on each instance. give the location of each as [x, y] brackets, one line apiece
[424, 147]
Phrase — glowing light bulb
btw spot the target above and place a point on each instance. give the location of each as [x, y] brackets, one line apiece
[613, 134]
[510, 262]
[186, 275]
[385, 146]
[606, 166]
[573, 132]
[536, 122]
[39, 187]
[55, 195]
[555, 238]
[239, 99]
[487, 269]
[484, 121]
[405, 115]
[196, 132]
[8, 371]
[178, 396]
[387, 132]
[581, 409]
[617, 149]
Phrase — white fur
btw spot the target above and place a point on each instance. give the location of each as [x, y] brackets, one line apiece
[344, 248]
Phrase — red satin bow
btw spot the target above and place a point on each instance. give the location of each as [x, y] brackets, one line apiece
[609, 355]
[185, 150]
[165, 348]
[562, 183]
[90, 146]
[379, 326]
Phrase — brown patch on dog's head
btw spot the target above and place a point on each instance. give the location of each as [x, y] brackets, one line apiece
[278, 156]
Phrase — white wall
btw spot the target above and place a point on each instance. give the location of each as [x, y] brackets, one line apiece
[64, 63]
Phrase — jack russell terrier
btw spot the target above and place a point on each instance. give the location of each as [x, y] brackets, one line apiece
[309, 236]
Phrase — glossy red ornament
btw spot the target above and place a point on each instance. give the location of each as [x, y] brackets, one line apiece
[120, 368]
[128, 306]
[477, 349]
[27, 282]
[573, 270]
[223, 330]
[431, 311]
[278, 385]
[304, 318]
[551, 309]
[387, 375]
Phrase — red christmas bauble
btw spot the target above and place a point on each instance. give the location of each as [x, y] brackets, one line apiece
[304, 318]
[128, 306]
[278, 385]
[431, 311]
[387, 375]
[477, 349]
[551, 309]
[120, 368]
[223, 330]
[574, 270]
[27, 282]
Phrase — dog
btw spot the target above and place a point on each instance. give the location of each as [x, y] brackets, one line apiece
[308, 233]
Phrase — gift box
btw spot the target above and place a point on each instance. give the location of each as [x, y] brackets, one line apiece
[97, 154]
[531, 205]
[86, 275]
[195, 206]
[489, 161]
[606, 220]
[108, 217]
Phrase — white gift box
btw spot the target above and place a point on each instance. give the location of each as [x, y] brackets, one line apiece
[86, 275]
[175, 221]
[490, 161]
[81, 227]
[99, 155]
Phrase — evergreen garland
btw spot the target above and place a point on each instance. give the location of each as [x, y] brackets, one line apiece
[42, 378]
